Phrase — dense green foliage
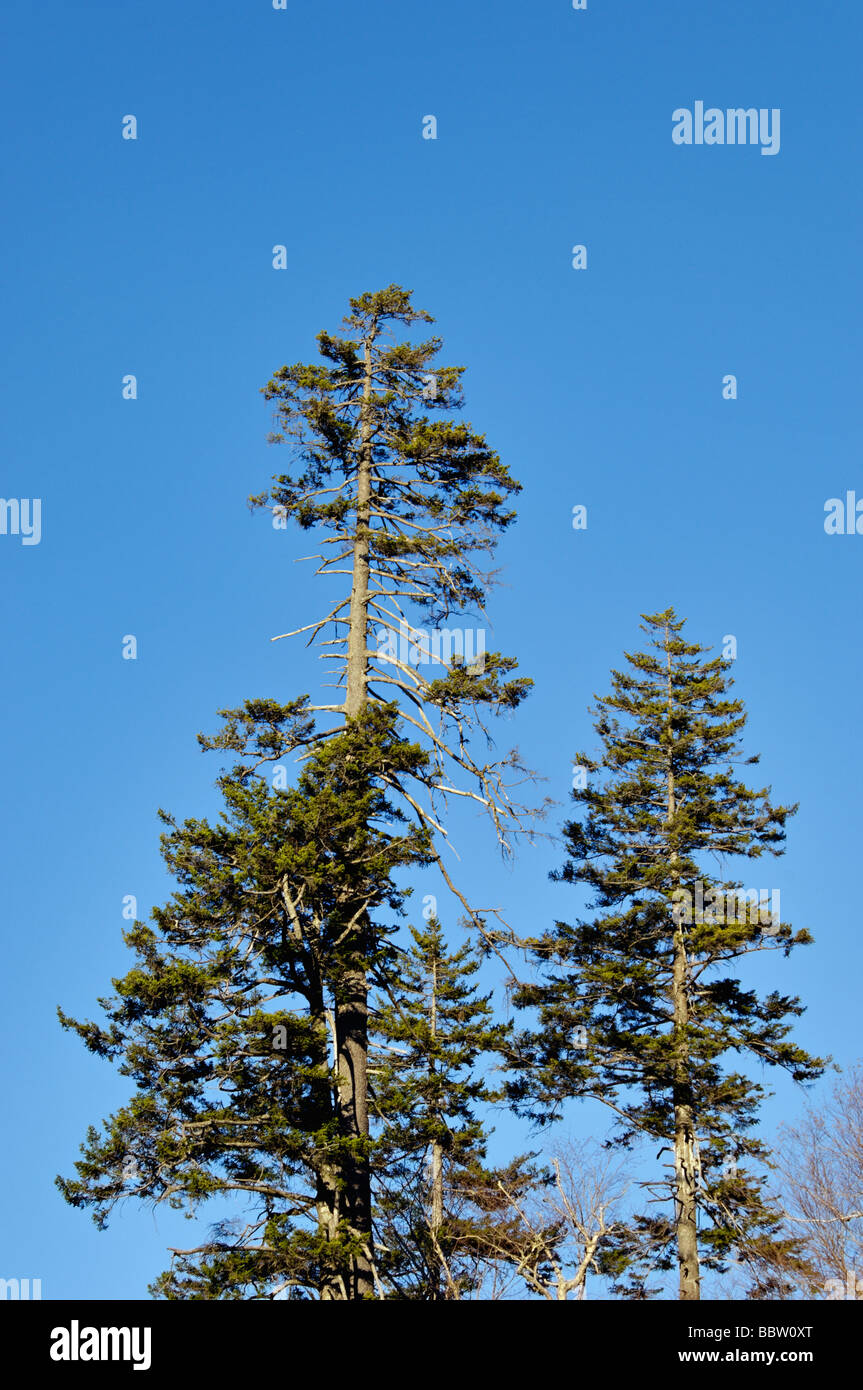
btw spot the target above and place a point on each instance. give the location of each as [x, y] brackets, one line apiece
[317, 1080]
[661, 805]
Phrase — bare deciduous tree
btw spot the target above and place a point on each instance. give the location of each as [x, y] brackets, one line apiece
[820, 1165]
[561, 1229]
[818, 1192]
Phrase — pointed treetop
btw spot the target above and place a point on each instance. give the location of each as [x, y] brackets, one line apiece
[391, 303]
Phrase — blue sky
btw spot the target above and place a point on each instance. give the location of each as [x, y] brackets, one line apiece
[601, 387]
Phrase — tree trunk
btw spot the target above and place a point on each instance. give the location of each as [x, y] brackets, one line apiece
[436, 1187]
[352, 1064]
[327, 1208]
[436, 1216]
[684, 1138]
[685, 1197]
[357, 662]
[351, 1005]
[327, 1195]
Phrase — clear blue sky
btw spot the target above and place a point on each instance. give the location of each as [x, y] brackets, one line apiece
[601, 387]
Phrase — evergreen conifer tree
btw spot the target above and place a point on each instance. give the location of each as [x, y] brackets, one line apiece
[226, 1023]
[408, 506]
[640, 1006]
[441, 1208]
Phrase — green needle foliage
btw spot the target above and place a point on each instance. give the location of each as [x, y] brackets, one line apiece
[286, 910]
[408, 507]
[225, 1023]
[444, 1216]
[637, 1006]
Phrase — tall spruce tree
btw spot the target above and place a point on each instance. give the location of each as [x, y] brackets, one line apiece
[408, 507]
[226, 1022]
[636, 1005]
[442, 1211]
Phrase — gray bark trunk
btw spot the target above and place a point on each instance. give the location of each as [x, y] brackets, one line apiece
[436, 1218]
[351, 1007]
[685, 1191]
